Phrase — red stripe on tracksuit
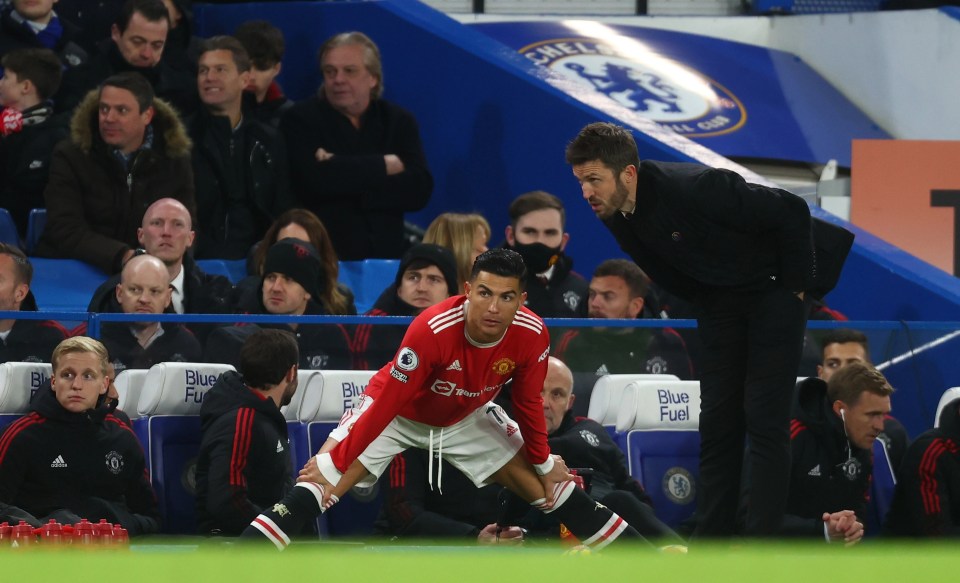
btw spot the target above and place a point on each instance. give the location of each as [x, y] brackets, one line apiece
[565, 343]
[241, 446]
[796, 427]
[398, 471]
[928, 479]
[14, 429]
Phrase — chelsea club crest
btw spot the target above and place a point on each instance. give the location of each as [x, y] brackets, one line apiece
[667, 92]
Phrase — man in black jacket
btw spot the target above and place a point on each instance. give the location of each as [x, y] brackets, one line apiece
[239, 164]
[70, 457]
[245, 461]
[927, 500]
[536, 232]
[743, 253]
[831, 441]
[23, 340]
[137, 41]
[427, 275]
[356, 159]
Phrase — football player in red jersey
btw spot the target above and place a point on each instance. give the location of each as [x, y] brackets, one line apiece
[436, 394]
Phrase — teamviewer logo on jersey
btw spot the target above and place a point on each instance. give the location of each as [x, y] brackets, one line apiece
[442, 387]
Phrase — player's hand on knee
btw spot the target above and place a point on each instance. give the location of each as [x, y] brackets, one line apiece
[311, 473]
[557, 475]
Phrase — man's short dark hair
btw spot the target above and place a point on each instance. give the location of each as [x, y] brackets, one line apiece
[854, 379]
[151, 10]
[266, 357]
[227, 43]
[502, 262]
[134, 83]
[41, 67]
[264, 43]
[629, 272]
[534, 201]
[22, 268]
[609, 143]
[844, 336]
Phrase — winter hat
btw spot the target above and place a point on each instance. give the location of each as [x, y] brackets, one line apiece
[434, 255]
[299, 261]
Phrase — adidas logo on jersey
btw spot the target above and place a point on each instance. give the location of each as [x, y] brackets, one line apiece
[58, 462]
[815, 471]
[279, 446]
[455, 365]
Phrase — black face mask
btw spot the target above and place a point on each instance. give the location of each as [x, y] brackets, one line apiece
[537, 256]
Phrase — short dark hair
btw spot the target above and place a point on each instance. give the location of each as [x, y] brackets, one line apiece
[41, 67]
[844, 336]
[854, 379]
[23, 269]
[264, 42]
[502, 262]
[151, 10]
[609, 143]
[227, 43]
[629, 272]
[534, 201]
[134, 83]
[266, 356]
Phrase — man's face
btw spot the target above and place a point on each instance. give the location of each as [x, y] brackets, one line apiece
[864, 419]
[11, 292]
[605, 192]
[610, 298]
[838, 355]
[557, 396]
[261, 79]
[166, 233]
[142, 43]
[283, 295]
[424, 287]
[346, 81]
[122, 124]
[494, 301]
[144, 289]
[289, 392]
[78, 381]
[539, 226]
[10, 90]
[35, 10]
[220, 83]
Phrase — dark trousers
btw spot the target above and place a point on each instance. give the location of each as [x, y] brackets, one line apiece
[752, 343]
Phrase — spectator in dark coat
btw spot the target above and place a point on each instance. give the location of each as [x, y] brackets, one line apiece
[356, 159]
[113, 167]
[34, 25]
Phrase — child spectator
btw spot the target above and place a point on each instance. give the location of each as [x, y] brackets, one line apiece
[265, 45]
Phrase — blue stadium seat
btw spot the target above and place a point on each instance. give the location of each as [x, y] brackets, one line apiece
[947, 396]
[367, 279]
[18, 382]
[882, 486]
[8, 229]
[170, 427]
[36, 222]
[325, 399]
[659, 421]
[607, 394]
[234, 270]
[64, 284]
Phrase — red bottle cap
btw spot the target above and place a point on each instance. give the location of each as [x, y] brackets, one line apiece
[51, 532]
[84, 532]
[22, 535]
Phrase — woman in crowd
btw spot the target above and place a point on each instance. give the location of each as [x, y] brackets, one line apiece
[466, 235]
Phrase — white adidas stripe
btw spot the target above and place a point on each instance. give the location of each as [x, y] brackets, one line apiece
[447, 325]
[528, 326]
[453, 312]
[526, 319]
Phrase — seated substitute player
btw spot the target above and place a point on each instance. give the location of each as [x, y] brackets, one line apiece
[831, 438]
[71, 457]
[244, 463]
[927, 499]
[23, 340]
[435, 395]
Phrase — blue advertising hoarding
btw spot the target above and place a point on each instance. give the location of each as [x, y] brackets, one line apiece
[739, 100]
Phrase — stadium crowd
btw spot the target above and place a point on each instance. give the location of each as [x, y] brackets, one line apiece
[150, 148]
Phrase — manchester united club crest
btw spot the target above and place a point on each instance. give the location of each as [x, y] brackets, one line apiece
[114, 462]
[504, 366]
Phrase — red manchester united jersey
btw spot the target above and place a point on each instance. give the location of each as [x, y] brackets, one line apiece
[439, 376]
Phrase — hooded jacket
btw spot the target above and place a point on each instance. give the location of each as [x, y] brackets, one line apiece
[94, 204]
[89, 464]
[827, 473]
[927, 500]
[244, 463]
